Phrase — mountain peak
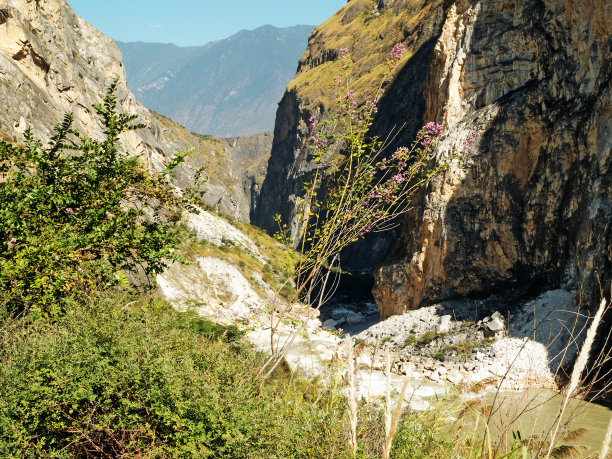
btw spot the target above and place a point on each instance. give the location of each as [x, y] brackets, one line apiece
[225, 88]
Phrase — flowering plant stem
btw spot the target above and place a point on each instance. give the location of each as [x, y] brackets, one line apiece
[357, 187]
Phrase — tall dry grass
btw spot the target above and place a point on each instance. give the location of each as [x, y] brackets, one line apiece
[605, 447]
[579, 367]
[352, 395]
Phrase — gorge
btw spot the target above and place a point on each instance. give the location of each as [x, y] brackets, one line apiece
[529, 208]
[491, 277]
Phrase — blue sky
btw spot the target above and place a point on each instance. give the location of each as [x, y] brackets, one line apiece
[195, 22]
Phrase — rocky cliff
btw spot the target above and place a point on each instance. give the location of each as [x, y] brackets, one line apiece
[53, 62]
[234, 167]
[530, 207]
[369, 29]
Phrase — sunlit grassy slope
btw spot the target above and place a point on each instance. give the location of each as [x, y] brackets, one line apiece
[369, 34]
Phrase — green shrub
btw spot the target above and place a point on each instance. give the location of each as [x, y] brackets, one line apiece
[113, 378]
[77, 214]
[426, 338]
[410, 339]
[110, 380]
[417, 440]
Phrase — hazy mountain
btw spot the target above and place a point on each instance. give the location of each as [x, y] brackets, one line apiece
[225, 88]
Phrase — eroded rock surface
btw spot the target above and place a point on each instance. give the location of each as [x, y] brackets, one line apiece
[530, 206]
[53, 62]
[516, 344]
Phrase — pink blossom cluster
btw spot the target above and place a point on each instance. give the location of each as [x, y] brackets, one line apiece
[397, 53]
[318, 142]
[428, 134]
[317, 138]
[467, 143]
[433, 129]
[350, 97]
[401, 156]
[371, 107]
[313, 123]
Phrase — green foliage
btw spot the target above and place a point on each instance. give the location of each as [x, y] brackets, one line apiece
[111, 380]
[78, 214]
[114, 377]
[426, 338]
[410, 339]
[415, 440]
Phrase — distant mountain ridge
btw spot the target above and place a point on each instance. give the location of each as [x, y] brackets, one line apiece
[225, 88]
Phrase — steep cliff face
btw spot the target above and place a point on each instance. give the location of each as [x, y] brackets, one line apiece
[249, 163]
[369, 29]
[234, 167]
[530, 207]
[53, 62]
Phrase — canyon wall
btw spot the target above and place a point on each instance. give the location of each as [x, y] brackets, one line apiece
[529, 208]
[369, 29]
[53, 62]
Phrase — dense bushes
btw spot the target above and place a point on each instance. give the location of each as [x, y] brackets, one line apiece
[77, 215]
[112, 378]
[90, 374]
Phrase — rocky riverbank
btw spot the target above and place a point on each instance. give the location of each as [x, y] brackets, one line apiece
[498, 341]
[527, 343]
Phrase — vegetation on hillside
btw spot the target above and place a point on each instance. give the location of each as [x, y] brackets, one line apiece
[122, 378]
[92, 367]
[78, 215]
[369, 34]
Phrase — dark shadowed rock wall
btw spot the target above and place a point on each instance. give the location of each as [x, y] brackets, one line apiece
[530, 207]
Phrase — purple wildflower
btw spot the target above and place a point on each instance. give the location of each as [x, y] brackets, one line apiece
[344, 52]
[467, 143]
[397, 52]
[69, 210]
[313, 123]
[400, 153]
[371, 107]
[432, 128]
